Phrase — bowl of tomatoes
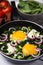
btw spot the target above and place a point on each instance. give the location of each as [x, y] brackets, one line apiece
[5, 11]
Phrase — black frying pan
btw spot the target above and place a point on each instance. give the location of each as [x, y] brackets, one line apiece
[20, 23]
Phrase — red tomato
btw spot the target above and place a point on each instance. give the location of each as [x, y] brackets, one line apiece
[4, 3]
[7, 10]
[1, 13]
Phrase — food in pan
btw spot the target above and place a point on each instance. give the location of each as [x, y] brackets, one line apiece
[30, 7]
[21, 43]
[5, 11]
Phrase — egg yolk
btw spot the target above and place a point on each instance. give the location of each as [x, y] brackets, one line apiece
[29, 49]
[19, 35]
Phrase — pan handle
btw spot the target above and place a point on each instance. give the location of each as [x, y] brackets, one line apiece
[41, 58]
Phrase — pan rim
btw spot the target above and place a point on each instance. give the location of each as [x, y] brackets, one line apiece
[18, 59]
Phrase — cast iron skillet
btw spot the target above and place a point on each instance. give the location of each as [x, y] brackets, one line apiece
[20, 23]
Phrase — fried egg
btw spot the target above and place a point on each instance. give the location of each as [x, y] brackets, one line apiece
[29, 49]
[18, 35]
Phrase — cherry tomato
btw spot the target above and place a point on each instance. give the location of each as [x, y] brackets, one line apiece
[4, 3]
[1, 13]
[7, 10]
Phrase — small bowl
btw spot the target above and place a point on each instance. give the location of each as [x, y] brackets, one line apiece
[31, 17]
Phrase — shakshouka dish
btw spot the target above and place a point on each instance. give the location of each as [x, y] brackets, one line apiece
[5, 11]
[22, 43]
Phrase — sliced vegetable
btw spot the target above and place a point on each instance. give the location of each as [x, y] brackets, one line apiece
[4, 38]
[31, 34]
[1, 43]
[10, 49]
[37, 34]
[38, 40]
[25, 29]
[13, 45]
[36, 55]
[12, 28]
[20, 55]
